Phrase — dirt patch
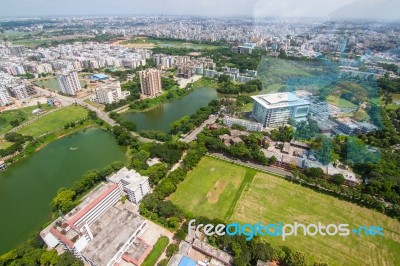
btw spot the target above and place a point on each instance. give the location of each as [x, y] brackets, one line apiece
[217, 189]
[134, 45]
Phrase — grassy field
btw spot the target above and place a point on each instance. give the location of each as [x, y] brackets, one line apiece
[5, 144]
[25, 113]
[339, 102]
[205, 82]
[205, 190]
[51, 83]
[151, 42]
[156, 251]
[54, 120]
[270, 199]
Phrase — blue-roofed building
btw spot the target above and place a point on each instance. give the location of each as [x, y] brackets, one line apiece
[186, 261]
[99, 76]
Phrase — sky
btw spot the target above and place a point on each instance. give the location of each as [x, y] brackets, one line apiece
[373, 9]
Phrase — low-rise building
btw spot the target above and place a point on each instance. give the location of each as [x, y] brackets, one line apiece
[249, 125]
[96, 231]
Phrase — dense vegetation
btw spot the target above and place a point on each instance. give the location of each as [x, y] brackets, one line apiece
[34, 252]
[188, 123]
[226, 86]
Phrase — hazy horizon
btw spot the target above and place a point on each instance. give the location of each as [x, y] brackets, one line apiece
[358, 9]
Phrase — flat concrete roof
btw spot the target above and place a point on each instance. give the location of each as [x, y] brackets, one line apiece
[282, 99]
[130, 178]
[111, 231]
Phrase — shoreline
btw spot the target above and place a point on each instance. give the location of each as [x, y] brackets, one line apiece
[187, 92]
[48, 140]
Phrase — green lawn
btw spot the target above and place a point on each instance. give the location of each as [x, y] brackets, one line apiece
[392, 106]
[339, 102]
[210, 189]
[271, 199]
[171, 43]
[5, 144]
[25, 113]
[54, 120]
[51, 83]
[156, 251]
[205, 82]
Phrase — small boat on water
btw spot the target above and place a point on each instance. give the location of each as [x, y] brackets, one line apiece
[72, 148]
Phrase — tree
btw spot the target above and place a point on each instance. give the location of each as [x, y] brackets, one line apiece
[49, 257]
[14, 137]
[171, 250]
[68, 259]
[129, 125]
[63, 201]
[180, 235]
[92, 115]
[299, 259]
[338, 179]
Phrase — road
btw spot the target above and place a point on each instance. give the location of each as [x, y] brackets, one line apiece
[66, 101]
[271, 169]
[193, 135]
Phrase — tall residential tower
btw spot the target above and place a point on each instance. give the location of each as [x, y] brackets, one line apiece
[150, 82]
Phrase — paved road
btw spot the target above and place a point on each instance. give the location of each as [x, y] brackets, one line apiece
[66, 101]
[193, 135]
[272, 169]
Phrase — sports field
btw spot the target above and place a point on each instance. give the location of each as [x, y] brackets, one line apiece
[271, 199]
[211, 189]
[339, 102]
[54, 121]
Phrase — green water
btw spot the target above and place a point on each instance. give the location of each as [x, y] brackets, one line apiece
[27, 187]
[160, 117]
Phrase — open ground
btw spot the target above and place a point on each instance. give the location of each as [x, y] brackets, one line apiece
[211, 190]
[54, 121]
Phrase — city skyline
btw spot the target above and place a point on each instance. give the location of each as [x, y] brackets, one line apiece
[359, 9]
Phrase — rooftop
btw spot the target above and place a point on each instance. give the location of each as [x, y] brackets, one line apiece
[282, 99]
[99, 76]
[111, 231]
[129, 178]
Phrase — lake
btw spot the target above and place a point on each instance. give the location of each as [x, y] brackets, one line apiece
[28, 186]
[160, 117]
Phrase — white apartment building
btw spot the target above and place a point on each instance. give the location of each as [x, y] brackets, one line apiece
[5, 97]
[68, 82]
[276, 109]
[22, 91]
[109, 93]
[135, 185]
[250, 126]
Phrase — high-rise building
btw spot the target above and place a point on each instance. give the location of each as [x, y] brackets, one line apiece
[150, 82]
[276, 109]
[68, 82]
[5, 97]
